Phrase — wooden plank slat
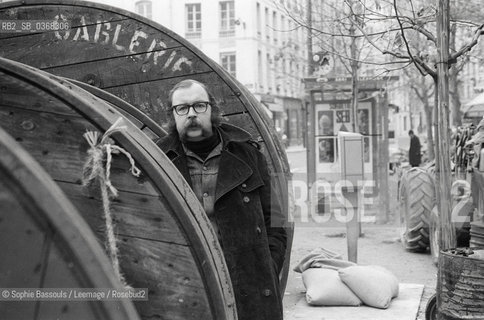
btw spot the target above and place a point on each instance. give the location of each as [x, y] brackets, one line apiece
[61, 273]
[141, 119]
[20, 236]
[181, 295]
[244, 118]
[134, 214]
[134, 68]
[16, 94]
[57, 144]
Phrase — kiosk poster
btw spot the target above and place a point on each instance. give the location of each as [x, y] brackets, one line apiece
[326, 150]
[325, 123]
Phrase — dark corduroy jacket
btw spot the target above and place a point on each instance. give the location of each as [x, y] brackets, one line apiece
[244, 208]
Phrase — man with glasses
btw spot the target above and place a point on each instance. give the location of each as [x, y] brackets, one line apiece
[230, 178]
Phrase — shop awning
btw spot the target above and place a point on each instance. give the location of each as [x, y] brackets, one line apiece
[474, 108]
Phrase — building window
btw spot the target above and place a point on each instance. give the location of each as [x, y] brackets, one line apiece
[194, 20]
[269, 76]
[142, 8]
[283, 30]
[227, 60]
[267, 28]
[274, 27]
[259, 23]
[227, 19]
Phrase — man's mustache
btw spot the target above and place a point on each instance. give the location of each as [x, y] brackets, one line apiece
[193, 123]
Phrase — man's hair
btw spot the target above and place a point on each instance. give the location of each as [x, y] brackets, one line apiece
[184, 84]
[410, 132]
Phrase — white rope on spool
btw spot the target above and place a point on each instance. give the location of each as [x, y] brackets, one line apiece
[94, 169]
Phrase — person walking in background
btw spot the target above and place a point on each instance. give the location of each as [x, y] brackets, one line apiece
[414, 156]
[230, 178]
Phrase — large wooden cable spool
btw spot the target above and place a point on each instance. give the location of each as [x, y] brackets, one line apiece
[47, 244]
[165, 240]
[461, 284]
[139, 61]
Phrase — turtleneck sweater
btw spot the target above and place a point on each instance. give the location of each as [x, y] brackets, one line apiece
[204, 147]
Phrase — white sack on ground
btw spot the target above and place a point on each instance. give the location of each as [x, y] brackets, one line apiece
[374, 285]
[325, 288]
[322, 258]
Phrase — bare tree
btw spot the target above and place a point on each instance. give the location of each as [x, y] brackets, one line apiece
[336, 29]
[404, 31]
[420, 24]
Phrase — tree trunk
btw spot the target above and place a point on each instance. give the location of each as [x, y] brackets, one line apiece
[447, 232]
[454, 83]
[383, 159]
[428, 118]
[455, 97]
[435, 128]
[430, 136]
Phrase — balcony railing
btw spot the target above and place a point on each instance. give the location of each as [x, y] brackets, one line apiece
[227, 33]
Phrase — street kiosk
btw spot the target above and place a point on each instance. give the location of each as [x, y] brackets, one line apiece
[330, 112]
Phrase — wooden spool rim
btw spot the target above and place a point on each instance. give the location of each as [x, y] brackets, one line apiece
[191, 218]
[446, 252]
[49, 207]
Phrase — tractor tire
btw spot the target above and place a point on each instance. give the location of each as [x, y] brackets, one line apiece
[431, 308]
[417, 196]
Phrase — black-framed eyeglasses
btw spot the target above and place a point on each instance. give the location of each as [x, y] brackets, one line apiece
[199, 107]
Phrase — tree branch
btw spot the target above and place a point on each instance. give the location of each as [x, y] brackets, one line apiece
[421, 66]
[425, 32]
[468, 47]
